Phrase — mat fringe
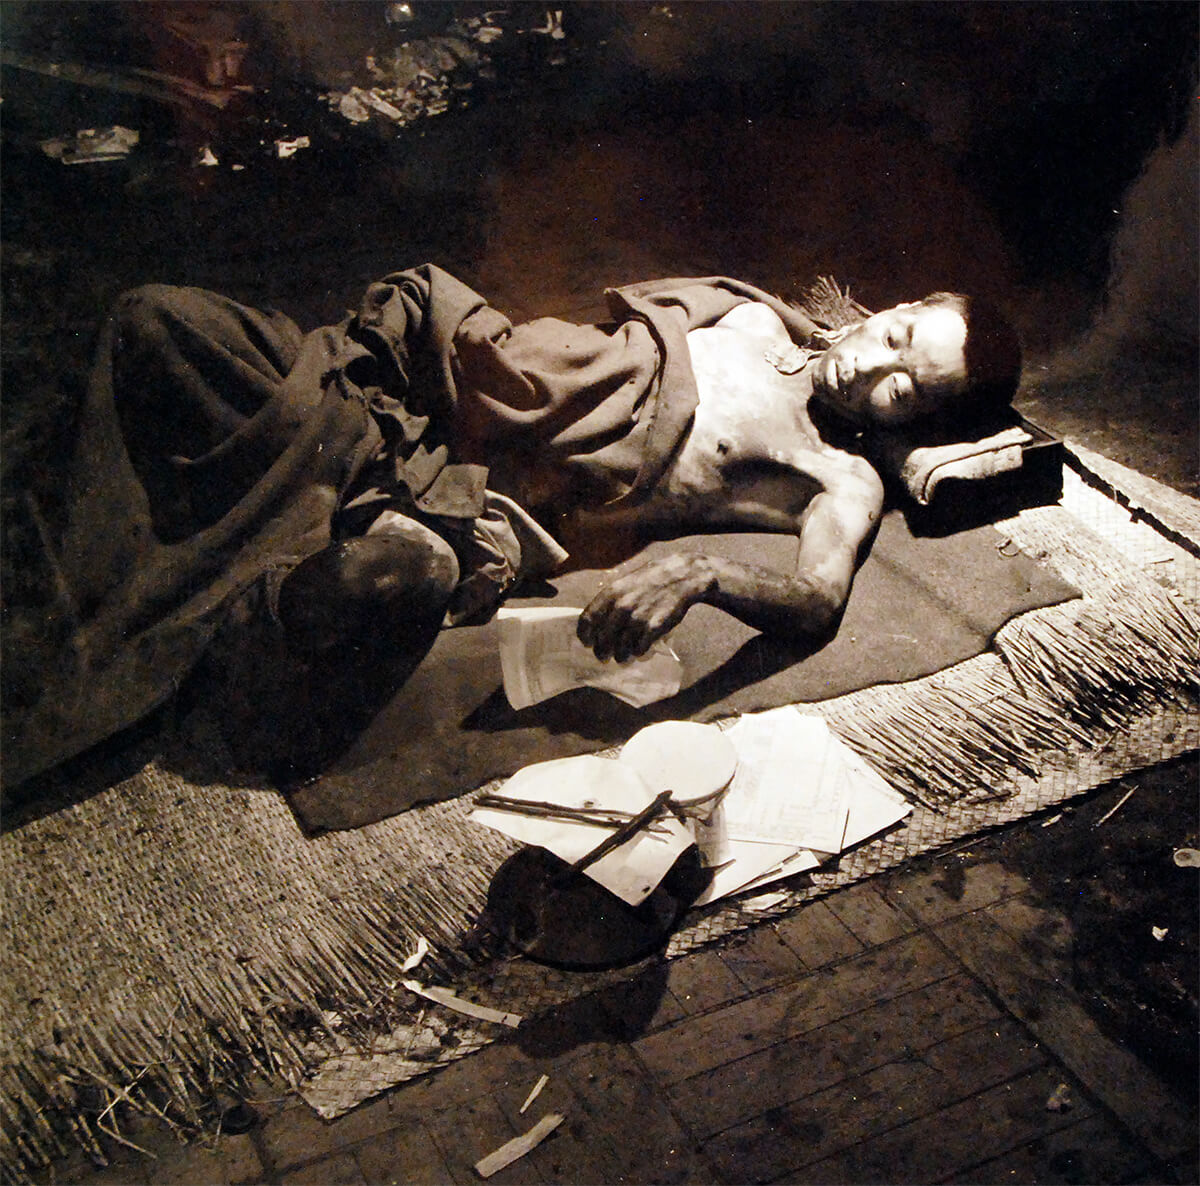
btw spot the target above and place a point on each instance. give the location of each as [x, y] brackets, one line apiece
[1070, 674]
[184, 1003]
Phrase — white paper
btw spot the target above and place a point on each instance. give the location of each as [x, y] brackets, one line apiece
[799, 796]
[541, 656]
[789, 787]
[632, 870]
[751, 863]
[875, 805]
[765, 901]
[799, 862]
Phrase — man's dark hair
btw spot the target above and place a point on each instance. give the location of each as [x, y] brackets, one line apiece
[993, 352]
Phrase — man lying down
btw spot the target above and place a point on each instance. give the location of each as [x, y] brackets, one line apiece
[412, 464]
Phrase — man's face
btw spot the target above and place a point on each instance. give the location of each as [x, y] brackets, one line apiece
[896, 366]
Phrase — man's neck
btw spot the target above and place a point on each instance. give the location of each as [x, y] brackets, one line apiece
[834, 428]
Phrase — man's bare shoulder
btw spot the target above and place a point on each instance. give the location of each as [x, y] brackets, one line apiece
[856, 495]
[846, 473]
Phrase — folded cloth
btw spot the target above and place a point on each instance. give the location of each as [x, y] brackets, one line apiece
[921, 466]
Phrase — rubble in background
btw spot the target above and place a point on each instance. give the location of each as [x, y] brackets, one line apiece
[424, 76]
[237, 86]
[91, 145]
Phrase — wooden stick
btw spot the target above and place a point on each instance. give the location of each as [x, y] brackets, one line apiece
[1115, 807]
[620, 836]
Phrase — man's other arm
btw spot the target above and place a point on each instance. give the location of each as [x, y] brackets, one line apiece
[643, 601]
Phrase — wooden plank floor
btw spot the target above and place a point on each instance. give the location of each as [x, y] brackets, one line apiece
[909, 1029]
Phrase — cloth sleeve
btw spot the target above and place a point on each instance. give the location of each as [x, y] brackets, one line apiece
[705, 300]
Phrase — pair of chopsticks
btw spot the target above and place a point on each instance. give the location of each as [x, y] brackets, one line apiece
[601, 817]
[621, 835]
[627, 826]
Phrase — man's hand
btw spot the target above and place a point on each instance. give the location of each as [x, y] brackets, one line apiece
[639, 605]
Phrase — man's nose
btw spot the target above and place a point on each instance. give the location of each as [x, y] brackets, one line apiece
[872, 357]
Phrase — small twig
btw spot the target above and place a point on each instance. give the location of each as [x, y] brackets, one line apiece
[413, 1030]
[624, 833]
[1115, 807]
[598, 817]
[90, 1076]
[116, 1099]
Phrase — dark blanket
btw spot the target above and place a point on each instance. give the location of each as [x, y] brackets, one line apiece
[218, 446]
[918, 605]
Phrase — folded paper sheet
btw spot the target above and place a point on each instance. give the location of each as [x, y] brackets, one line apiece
[541, 656]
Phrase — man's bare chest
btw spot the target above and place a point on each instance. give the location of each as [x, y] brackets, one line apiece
[752, 454]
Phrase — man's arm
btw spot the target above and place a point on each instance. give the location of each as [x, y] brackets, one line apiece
[643, 602]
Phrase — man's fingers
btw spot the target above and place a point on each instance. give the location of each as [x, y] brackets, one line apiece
[626, 645]
[593, 616]
[608, 631]
[629, 614]
[635, 641]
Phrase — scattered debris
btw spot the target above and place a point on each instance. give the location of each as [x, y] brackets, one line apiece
[422, 950]
[92, 145]
[352, 107]
[1060, 1099]
[443, 996]
[534, 1092]
[424, 76]
[357, 104]
[1160, 933]
[1052, 820]
[512, 1150]
[553, 26]
[1115, 807]
[483, 29]
[207, 158]
[287, 148]
[1187, 858]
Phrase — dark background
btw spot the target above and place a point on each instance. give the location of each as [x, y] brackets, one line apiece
[1041, 153]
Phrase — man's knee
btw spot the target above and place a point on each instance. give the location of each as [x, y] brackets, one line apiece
[415, 565]
[374, 584]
